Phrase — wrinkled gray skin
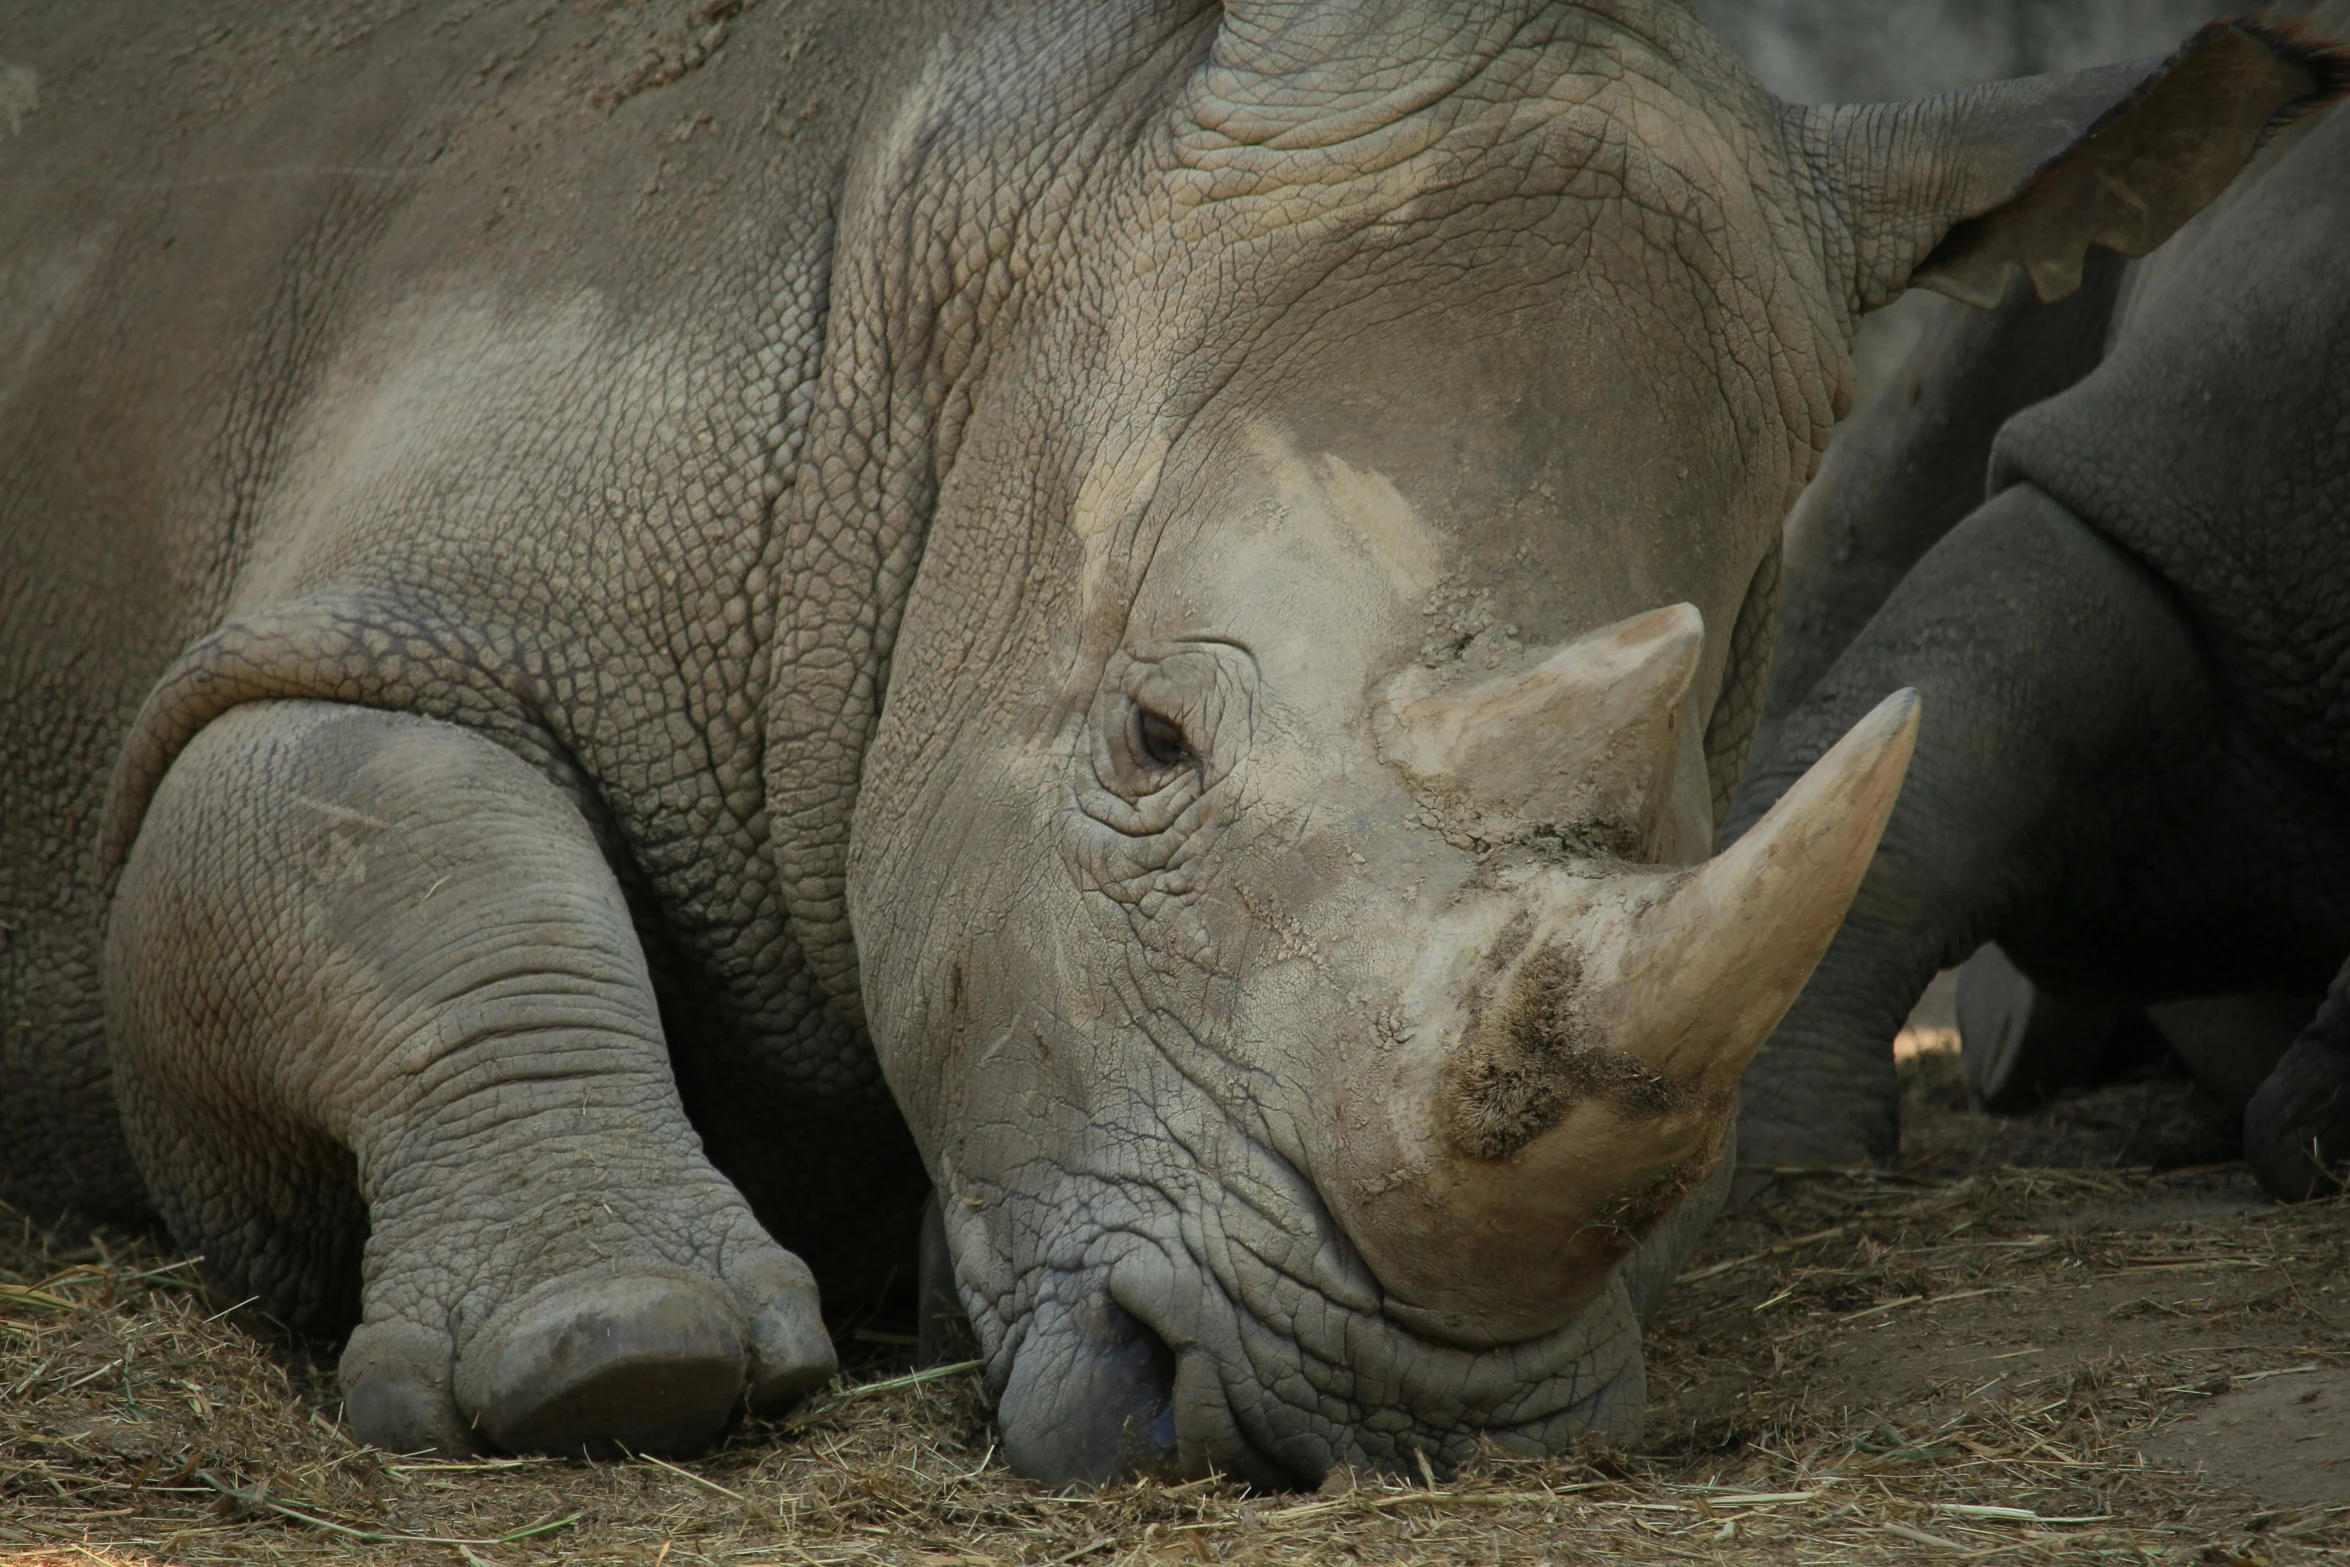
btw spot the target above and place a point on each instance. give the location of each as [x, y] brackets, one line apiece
[2132, 648]
[468, 485]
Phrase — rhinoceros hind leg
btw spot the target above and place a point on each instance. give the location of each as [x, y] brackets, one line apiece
[2058, 677]
[387, 1048]
[2297, 1128]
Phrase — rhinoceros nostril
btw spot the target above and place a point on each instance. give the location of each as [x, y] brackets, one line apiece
[1149, 1417]
[1091, 1397]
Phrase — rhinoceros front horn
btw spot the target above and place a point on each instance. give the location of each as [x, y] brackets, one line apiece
[1604, 1055]
[1704, 973]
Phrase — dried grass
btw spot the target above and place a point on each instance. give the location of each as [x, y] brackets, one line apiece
[1814, 1404]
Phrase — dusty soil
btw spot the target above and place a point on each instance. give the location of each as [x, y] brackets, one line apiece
[2090, 1326]
[2076, 1335]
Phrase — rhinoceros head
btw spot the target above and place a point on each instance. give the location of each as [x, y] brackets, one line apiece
[1281, 871]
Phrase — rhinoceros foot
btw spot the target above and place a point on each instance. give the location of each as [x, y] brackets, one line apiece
[624, 1362]
[638, 1362]
[2297, 1128]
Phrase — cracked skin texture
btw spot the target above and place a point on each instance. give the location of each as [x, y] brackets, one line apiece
[467, 485]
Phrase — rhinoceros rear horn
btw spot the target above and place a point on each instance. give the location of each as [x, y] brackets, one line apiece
[1956, 192]
[1590, 733]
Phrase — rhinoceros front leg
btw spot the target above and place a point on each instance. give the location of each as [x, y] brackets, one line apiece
[369, 980]
[2061, 685]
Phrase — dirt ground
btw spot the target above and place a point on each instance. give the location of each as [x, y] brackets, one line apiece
[2080, 1334]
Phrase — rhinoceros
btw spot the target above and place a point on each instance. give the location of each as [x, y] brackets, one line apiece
[2131, 636]
[633, 639]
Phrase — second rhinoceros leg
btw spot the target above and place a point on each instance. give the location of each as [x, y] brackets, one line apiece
[371, 982]
[2297, 1128]
[2062, 688]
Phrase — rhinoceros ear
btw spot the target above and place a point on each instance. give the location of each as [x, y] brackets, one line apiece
[1954, 192]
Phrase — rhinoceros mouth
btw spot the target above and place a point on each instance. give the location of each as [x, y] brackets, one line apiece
[1194, 1338]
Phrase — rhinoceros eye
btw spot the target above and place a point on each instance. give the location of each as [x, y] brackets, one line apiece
[1160, 741]
[1164, 736]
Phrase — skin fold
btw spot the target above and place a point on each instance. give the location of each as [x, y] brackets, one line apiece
[631, 640]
